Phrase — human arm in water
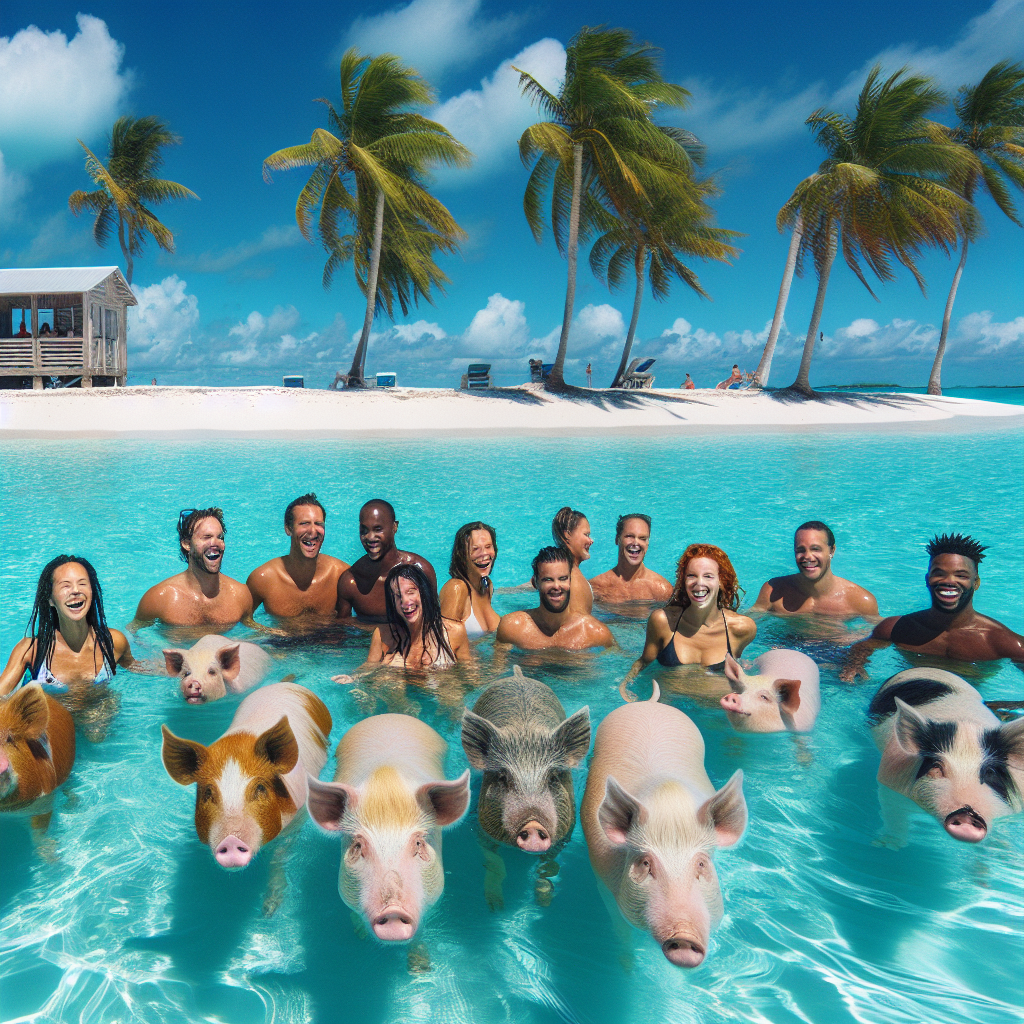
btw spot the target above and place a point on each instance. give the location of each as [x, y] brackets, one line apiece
[654, 641]
[374, 657]
[17, 665]
[858, 655]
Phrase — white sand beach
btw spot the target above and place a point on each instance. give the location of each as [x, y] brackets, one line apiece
[146, 411]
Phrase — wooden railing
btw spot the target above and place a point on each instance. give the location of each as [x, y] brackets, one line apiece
[17, 355]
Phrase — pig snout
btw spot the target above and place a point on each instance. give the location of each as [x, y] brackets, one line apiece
[684, 951]
[5, 763]
[732, 702]
[192, 690]
[533, 838]
[966, 825]
[232, 853]
[394, 925]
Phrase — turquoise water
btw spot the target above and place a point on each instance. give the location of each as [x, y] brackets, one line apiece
[128, 918]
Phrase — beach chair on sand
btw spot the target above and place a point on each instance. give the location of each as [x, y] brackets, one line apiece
[539, 371]
[636, 375]
[478, 376]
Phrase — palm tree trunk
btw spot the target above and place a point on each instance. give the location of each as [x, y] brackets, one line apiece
[641, 263]
[556, 378]
[803, 382]
[935, 379]
[129, 264]
[355, 374]
[764, 367]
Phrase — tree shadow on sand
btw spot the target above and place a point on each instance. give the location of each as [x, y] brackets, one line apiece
[795, 396]
[603, 398]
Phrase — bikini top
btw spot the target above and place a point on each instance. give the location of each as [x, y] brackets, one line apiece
[441, 661]
[473, 624]
[668, 656]
[51, 684]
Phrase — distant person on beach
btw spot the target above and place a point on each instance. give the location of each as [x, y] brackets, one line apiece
[950, 628]
[303, 582]
[571, 530]
[732, 381]
[201, 595]
[814, 589]
[153, 382]
[589, 383]
[688, 384]
[466, 597]
[361, 590]
[630, 579]
[554, 623]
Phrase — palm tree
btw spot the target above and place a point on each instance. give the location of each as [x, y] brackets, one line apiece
[370, 168]
[881, 194]
[651, 242]
[600, 148]
[991, 130]
[765, 365]
[126, 185]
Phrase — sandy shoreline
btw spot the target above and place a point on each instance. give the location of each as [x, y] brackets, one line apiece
[146, 411]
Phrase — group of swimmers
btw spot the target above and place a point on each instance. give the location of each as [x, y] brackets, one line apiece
[697, 621]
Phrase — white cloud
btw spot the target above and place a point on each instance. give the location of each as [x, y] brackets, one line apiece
[12, 188]
[989, 338]
[431, 35]
[160, 327]
[862, 328]
[273, 238]
[498, 329]
[60, 238]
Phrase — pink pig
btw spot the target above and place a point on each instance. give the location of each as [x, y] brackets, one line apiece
[214, 667]
[783, 695]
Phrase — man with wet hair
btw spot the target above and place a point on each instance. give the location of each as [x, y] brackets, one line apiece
[201, 595]
[950, 628]
[630, 579]
[360, 590]
[553, 624]
[303, 583]
[814, 589]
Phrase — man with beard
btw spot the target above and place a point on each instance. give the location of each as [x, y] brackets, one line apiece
[951, 628]
[553, 624]
[631, 580]
[201, 595]
[815, 590]
[305, 581]
[361, 587]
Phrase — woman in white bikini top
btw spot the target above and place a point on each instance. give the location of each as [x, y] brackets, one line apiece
[466, 597]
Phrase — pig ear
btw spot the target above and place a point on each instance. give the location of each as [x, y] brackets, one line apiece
[733, 672]
[278, 746]
[174, 661]
[447, 800]
[328, 801]
[573, 737]
[1012, 736]
[726, 812]
[619, 812]
[478, 736]
[182, 758]
[30, 714]
[907, 727]
[229, 661]
[789, 694]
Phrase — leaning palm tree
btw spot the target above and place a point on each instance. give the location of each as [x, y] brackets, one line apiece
[881, 194]
[370, 169]
[991, 129]
[126, 185]
[764, 367]
[600, 148]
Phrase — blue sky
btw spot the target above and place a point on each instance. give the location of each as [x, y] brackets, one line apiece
[241, 300]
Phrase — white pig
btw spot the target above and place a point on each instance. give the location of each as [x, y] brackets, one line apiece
[652, 820]
[784, 694]
[390, 800]
[215, 666]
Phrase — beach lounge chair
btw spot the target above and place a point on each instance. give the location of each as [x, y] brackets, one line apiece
[478, 376]
[636, 375]
[539, 371]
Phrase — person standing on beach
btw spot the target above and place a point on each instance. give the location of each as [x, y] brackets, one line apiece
[304, 582]
[361, 591]
[631, 580]
[589, 381]
[688, 384]
[814, 589]
[201, 595]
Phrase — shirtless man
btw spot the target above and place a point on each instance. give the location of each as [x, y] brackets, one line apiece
[950, 628]
[305, 581]
[361, 587]
[814, 590]
[201, 595]
[631, 580]
[553, 624]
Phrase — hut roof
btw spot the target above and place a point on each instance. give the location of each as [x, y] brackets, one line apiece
[48, 280]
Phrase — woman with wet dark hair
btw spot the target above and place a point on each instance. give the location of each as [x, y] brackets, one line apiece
[466, 597]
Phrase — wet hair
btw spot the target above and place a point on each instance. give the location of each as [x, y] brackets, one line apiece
[729, 589]
[381, 503]
[621, 522]
[44, 623]
[956, 544]
[458, 567]
[566, 520]
[433, 626]
[302, 499]
[190, 518]
[552, 554]
[817, 524]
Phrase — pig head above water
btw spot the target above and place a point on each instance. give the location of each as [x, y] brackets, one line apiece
[215, 666]
[782, 694]
[390, 800]
[251, 783]
[518, 735]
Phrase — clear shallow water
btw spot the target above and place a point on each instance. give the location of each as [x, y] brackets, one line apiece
[134, 921]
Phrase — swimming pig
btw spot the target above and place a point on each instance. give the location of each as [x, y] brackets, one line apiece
[652, 820]
[390, 800]
[783, 695]
[251, 783]
[214, 666]
[945, 750]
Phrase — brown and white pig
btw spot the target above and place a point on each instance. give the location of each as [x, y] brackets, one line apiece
[214, 667]
[251, 783]
[652, 820]
[390, 800]
[37, 750]
[782, 694]
[942, 747]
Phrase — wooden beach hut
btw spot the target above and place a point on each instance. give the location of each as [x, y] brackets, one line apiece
[68, 323]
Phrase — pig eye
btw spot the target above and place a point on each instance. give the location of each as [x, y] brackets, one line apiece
[936, 772]
[260, 790]
[503, 778]
[208, 793]
[702, 866]
[764, 697]
[210, 672]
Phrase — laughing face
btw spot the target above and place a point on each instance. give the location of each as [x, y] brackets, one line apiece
[579, 541]
[481, 552]
[701, 582]
[952, 581]
[552, 582]
[205, 549]
[307, 530]
[813, 554]
[376, 532]
[71, 595]
[408, 600]
[633, 541]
